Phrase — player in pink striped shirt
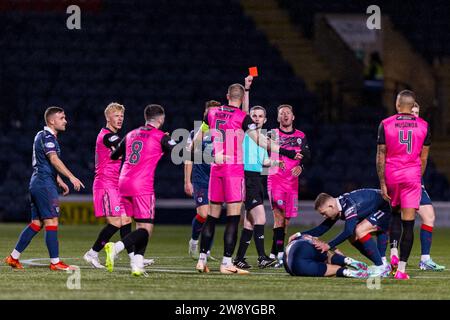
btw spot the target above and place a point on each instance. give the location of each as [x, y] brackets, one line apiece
[403, 146]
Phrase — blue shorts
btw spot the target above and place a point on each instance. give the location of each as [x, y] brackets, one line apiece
[200, 194]
[380, 219]
[425, 200]
[301, 258]
[44, 202]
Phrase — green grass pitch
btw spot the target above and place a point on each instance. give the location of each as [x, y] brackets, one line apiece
[173, 275]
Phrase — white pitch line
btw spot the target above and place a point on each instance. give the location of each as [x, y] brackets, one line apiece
[33, 262]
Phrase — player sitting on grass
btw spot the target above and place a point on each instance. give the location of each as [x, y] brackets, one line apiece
[364, 211]
[302, 258]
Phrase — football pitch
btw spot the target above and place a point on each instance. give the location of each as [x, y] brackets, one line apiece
[173, 276]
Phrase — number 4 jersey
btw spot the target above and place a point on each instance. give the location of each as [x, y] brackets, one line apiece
[404, 136]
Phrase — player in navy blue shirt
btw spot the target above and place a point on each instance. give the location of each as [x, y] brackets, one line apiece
[44, 184]
[196, 178]
[364, 211]
[302, 258]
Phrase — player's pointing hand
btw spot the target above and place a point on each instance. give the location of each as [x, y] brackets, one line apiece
[77, 184]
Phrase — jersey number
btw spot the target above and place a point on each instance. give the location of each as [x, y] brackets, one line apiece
[407, 141]
[217, 127]
[136, 148]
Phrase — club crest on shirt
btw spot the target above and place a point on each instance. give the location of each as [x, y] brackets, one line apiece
[117, 208]
[280, 202]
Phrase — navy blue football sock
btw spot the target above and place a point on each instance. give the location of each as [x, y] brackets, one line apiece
[338, 260]
[426, 237]
[371, 249]
[382, 240]
[51, 239]
[197, 225]
[26, 236]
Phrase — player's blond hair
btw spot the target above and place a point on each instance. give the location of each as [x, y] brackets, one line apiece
[281, 106]
[114, 106]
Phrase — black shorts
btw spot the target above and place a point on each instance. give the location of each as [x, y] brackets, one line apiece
[254, 190]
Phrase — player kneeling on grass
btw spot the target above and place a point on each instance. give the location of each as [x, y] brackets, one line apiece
[141, 150]
[364, 212]
[302, 258]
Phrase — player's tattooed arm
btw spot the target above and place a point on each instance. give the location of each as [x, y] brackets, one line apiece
[424, 157]
[381, 165]
[62, 169]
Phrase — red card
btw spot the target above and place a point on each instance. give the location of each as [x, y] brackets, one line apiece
[253, 71]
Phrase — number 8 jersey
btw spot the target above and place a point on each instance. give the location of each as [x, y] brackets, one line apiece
[404, 136]
[142, 149]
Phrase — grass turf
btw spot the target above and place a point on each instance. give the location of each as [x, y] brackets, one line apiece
[173, 275]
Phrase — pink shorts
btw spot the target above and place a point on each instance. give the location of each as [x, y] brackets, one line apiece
[107, 203]
[141, 208]
[284, 201]
[226, 189]
[405, 195]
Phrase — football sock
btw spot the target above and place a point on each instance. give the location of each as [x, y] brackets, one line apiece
[230, 235]
[407, 239]
[197, 225]
[358, 245]
[124, 231]
[395, 232]
[426, 237]
[25, 238]
[208, 233]
[258, 236]
[382, 240]
[341, 272]
[226, 261]
[51, 239]
[137, 237]
[338, 259]
[141, 245]
[104, 236]
[244, 242]
[402, 266]
[371, 249]
[279, 239]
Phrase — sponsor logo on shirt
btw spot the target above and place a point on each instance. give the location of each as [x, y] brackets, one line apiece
[113, 138]
[50, 145]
